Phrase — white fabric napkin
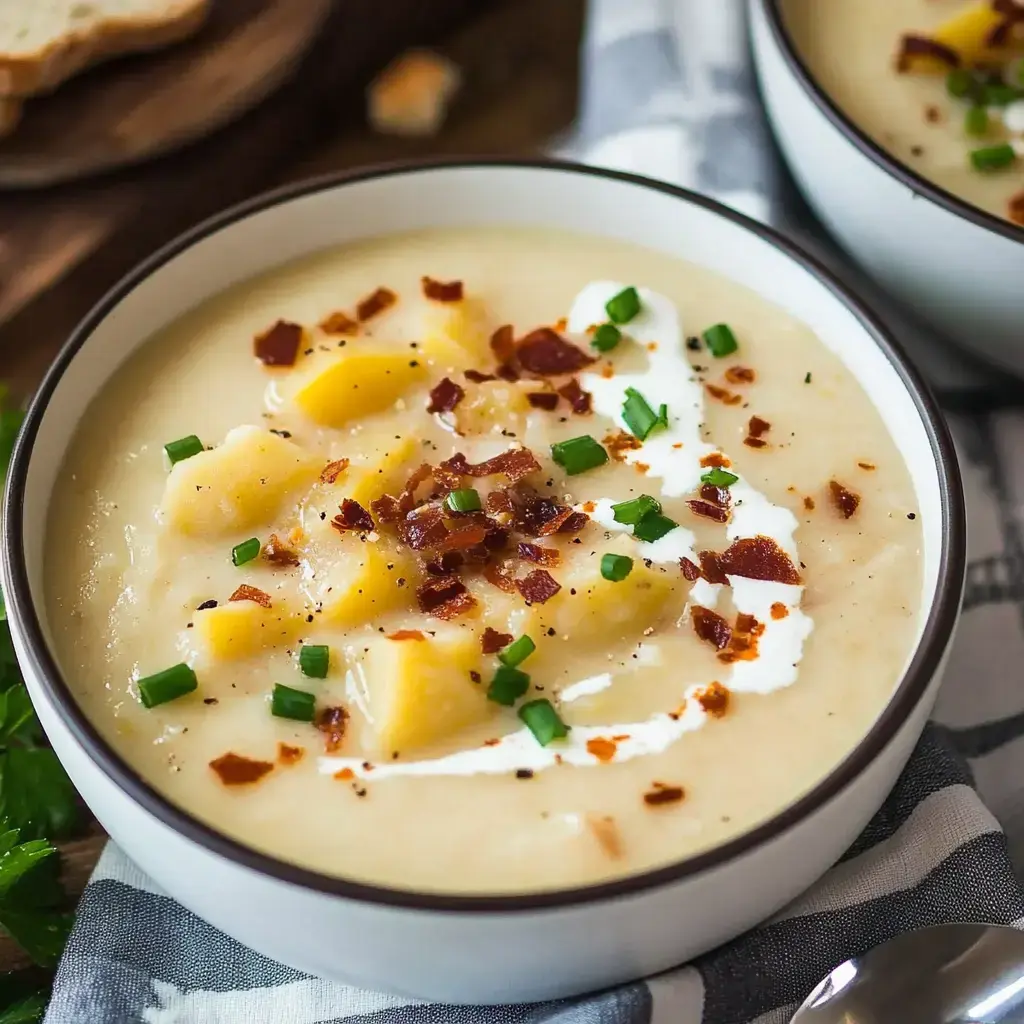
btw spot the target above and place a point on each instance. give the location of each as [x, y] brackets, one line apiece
[668, 92]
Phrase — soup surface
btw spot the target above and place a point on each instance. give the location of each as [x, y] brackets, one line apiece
[924, 80]
[698, 656]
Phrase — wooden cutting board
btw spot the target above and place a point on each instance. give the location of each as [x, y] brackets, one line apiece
[139, 107]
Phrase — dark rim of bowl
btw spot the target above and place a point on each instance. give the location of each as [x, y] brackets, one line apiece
[910, 691]
[902, 172]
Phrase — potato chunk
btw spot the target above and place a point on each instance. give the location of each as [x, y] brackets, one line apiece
[421, 691]
[492, 407]
[455, 335]
[240, 484]
[384, 473]
[357, 384]
[240, 629]
[968, 33]
[363, 584]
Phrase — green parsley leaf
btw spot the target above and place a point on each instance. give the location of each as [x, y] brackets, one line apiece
[36, 796]
[42, 934]
[28, 1010]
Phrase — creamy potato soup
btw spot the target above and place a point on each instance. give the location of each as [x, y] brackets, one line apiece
[938, 83]
[484, 561]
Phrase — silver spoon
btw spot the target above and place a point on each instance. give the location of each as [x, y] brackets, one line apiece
[948, 974]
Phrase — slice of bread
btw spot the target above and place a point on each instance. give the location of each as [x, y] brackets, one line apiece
[45, 42]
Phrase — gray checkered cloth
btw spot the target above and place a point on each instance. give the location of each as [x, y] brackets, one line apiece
[668, 92]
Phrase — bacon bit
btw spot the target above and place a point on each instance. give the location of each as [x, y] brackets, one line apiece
[494, 742]
[758, 427]
[641, 467]
[574, 523]
[714, 699]
[843, 498]
[620, 443]
[423, 531]
[445, 396]
[1015, 209]
[516, 464]
[755, 442]
[921, 46]
[869, 466]
[289, 755]
[691, 571]
[278, 346]
[445, 597]
[442, 291]
[809, 504]
[779, 610]
[235, 770]
[712, 566]
[728, 397]
[477, 377]
[339, 323]
[652, 346]
[499, 501]
[386, 508]
[333, 470]
[663, 794]
[344, 775]
[503, 344]
[740, 375]
[543, 400]
[561, 324]
[332, 722]
[277, 553]
[743, 644]
[547, 354]
[759, 558]
[539, 586]
[461, 536]
[381, 299]
[499, 577]
[422, 473]
[715, 459]
[538, 516]
[491, 641]
[407, 634]
[247, 593]
[607, 371]
[353, 517]
[580, 400]
[606, 832]
[535, 553]
[678, 444]
[602, 748]
[716, 495]
[711, 627]
[446, 565]
[716, 513]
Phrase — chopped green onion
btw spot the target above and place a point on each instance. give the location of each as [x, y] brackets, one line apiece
[976, 121]
[542, 720]
[640, 417]
[295, 704]
[632, 511]
[653, 527]
[720, 340]
[517, 652]
[959, 82]
[606, 337]
[616, 567]
[314, 660]
[719, 477]
[578, 454]
[807, 377]
[465, 500]
[999, 95]
[623, 307]
[182, 449]
[508, 685]
[993, 158]
[172, 683]
[246, 551]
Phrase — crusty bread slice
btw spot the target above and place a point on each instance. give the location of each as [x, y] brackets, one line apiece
[45, 42]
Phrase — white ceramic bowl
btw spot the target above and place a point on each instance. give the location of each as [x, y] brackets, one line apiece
[960, 268]
[479, 948]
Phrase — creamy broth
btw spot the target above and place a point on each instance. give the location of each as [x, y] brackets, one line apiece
[652, 771]
[851, 48]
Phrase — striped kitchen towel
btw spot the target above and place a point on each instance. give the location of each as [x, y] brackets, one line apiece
[668, 92]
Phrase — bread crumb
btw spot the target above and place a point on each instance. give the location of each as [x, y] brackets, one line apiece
[411, 95]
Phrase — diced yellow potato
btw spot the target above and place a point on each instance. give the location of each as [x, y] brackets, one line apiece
[455, 335]
[968, 33]
[363, 584]
[240, 484]
[421, 691]
[240, 629]
[492, 405]
[357, 384]
[385, 473]
[600, 609]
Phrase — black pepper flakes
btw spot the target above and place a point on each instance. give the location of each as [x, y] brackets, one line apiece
[524, 773]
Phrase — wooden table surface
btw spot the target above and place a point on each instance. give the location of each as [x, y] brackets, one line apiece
[519, 59]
